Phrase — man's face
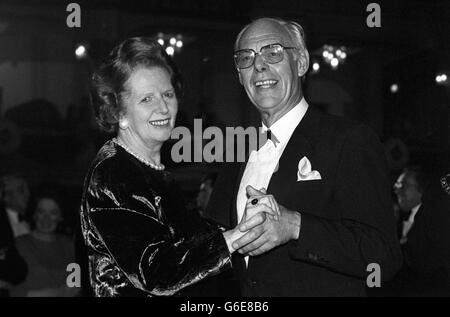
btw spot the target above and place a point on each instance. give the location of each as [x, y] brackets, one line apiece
[16, 194]
[407, 190]
[281, 91]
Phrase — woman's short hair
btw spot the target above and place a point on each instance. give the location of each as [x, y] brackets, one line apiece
[108, 81]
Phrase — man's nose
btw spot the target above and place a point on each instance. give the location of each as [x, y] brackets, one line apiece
[396, 190]
[260, 63]
[397, 187]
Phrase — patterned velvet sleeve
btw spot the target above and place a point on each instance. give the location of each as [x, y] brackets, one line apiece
[138, 240]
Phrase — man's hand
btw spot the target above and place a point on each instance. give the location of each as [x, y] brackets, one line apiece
[257, 201]
[263, 237]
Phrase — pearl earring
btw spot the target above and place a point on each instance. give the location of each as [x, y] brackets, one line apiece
[123, 124]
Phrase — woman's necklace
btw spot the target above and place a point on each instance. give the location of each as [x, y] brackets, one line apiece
[158, 167]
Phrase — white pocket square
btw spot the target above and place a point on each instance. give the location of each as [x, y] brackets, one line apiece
[304, 172]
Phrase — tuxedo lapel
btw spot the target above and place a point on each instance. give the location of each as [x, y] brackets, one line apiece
[300, 144]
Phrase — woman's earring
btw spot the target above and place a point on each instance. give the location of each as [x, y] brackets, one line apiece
[123, 124]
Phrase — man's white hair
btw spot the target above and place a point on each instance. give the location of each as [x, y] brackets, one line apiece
[294, 29]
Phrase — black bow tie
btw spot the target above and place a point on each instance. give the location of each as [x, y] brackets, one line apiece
[268, 135]
[21, 218]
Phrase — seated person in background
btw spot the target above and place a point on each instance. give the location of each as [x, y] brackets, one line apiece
[409, 189]
[16, 199]
[427, 251]
[13, 268]
[206, 188]
[46, 252]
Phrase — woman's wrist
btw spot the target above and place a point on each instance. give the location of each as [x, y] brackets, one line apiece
[231, 236]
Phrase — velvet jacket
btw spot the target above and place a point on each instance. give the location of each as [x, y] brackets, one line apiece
[140, 239]
[347, 221]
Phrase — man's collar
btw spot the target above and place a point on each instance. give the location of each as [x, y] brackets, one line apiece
[283, 128]
[13, 215]
[414, 212]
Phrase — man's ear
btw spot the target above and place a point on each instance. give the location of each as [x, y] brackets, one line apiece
[302, 62]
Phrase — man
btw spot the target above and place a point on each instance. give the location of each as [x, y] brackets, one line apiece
[409, 189]
[16, 198]
[426, 269]
[325, 175]
[13, 268]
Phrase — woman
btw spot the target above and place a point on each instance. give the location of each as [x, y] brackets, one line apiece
[141, 241]
[46, 252]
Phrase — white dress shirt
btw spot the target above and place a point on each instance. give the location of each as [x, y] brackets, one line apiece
[264, 162]
[407, 224]
[19, 228]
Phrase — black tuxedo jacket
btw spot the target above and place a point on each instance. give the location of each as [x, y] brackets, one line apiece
[427, 251]
[347, 219]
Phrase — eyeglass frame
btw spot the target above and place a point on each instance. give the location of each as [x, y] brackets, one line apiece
[260, 53]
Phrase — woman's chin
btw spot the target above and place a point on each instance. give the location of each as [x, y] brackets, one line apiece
[161, 135]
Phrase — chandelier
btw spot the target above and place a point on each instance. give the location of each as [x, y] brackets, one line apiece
[171, 42]
[334, 55]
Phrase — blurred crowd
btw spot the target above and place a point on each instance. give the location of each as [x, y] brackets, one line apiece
[38, 243]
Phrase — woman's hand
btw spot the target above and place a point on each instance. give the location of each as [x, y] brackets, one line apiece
[235, 234]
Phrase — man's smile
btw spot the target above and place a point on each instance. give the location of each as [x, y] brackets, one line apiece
[268, 83]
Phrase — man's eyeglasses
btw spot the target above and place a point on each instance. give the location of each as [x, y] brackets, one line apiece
[272, 54]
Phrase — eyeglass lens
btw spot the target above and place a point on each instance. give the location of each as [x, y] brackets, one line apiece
[271, 53]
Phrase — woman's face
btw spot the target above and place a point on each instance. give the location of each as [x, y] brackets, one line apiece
[150, 105]
[47, 215]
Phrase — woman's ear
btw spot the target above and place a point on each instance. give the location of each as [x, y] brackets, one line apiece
[123, 121]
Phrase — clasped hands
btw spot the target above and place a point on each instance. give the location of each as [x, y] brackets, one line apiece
[265, 224]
